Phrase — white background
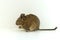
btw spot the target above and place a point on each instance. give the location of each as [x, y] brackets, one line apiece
[48, 12]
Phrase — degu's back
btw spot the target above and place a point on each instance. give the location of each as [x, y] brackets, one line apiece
[33, 22]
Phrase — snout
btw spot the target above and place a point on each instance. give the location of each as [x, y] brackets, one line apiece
[17, 23]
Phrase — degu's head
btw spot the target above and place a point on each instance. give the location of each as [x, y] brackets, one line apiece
[20, 20]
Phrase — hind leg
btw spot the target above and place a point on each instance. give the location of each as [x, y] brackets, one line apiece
[33, 28]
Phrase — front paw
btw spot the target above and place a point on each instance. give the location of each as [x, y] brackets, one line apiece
[19, 26]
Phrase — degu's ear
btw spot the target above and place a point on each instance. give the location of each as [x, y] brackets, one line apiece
[22, 15]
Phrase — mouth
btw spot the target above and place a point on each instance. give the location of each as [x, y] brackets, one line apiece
[21, 27]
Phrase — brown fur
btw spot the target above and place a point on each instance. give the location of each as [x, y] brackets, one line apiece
[29, 22]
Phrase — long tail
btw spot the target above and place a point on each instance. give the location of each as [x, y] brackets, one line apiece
[48, 29]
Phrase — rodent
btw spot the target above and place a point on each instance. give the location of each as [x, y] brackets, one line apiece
[29, 22]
